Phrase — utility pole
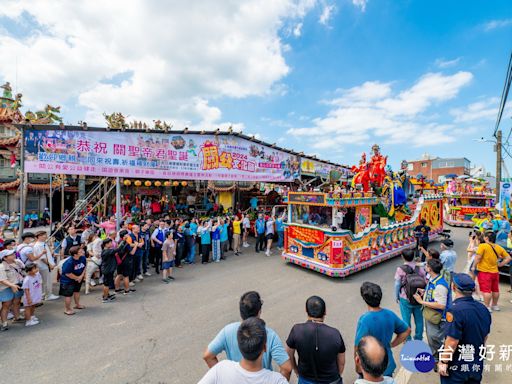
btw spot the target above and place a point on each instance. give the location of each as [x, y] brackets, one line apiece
[498, 163]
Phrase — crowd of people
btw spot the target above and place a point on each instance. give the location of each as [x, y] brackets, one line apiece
[92, 252]
[451, 308]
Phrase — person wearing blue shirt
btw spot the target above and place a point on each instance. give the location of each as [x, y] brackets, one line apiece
[280, 230]
[226, 340]
[206, 241]
[380, 323]
[190, 242]
[468, 323]
[254, 203]
[259, 226]
[448, 256]
[224, 239]
[72, 277]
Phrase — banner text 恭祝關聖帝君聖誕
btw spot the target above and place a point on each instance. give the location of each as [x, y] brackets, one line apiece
[156, 155]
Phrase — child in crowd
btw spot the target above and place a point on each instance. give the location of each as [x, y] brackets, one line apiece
[33, 287]
[168, 255]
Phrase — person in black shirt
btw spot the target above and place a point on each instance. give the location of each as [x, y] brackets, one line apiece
[422, 237]
[320, 348]
[179, 238]
[108, 267]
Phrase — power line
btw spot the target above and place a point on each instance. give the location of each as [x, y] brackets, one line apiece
[504, 95]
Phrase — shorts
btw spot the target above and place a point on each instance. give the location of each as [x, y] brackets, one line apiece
[68, 289]
[19, 294]
[6, 295]
[108, 280]
[489, 281]
[124, 269]
[167, 264]
[270, 236]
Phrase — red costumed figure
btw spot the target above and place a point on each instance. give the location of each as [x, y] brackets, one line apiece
[377, 166]
[361, 174]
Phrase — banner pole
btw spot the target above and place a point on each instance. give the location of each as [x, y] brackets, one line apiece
[51, 201]
[22, 184]
[118, 204]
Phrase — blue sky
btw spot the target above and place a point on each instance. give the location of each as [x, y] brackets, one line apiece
[329, 78]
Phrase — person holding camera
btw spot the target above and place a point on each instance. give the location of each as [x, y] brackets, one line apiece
[124, 262]
[435, 300]
[422, 236]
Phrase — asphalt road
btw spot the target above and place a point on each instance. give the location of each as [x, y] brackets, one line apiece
[158, 334]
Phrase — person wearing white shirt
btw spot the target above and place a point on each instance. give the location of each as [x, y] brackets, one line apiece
[157, 240]
[246, 224]
[252, 339]
[46, 263]
[24, 250]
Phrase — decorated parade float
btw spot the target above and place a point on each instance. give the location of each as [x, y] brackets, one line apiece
[466, 199]
[343, 231]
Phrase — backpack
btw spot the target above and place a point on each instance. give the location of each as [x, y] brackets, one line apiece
[411, 282]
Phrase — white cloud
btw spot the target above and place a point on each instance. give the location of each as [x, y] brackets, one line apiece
[373, 111]
[442, 63]
[181, 57]
[361, 4]
[326, 14]
[480, 110]
[494, 24]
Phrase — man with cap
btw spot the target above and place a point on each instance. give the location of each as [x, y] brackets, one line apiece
[24, 251]
[468, 323]
[9, 244]
[448, 256]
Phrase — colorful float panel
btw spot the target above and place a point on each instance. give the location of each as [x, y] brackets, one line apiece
[341, 252]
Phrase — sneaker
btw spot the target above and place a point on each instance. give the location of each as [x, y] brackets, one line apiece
[126, 293]
[217, 261]
[93, 283]
[4, 327]
[267, 254]
[106, 300]
[140, 277]
[31, 322]
[100, 281]
[246, 245]
[118, 290]
[166, 281]
[10, 316]
[136, 280]
[147, 274]
[132, 284]
[52, 297]
[171, 278]
[489, 309]
[495, 308]
[111, 297]
[35, 318]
